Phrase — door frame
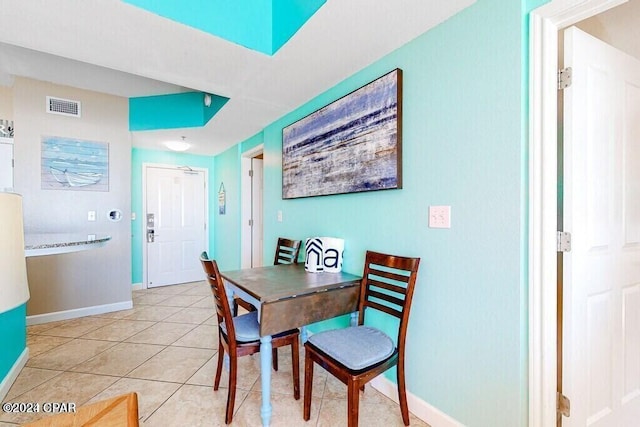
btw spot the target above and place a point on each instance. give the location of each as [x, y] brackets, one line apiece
[544, 24]
[143, 219]
[245, 204]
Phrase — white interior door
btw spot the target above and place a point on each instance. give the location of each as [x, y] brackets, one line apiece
[601, 204]
[257, 227]
[176, 204]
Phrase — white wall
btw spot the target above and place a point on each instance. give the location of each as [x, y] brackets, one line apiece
[6, 103]
[83, 279]
[619, 27]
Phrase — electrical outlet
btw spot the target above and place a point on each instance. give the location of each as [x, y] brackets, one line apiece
[91, 216]
[440, 216]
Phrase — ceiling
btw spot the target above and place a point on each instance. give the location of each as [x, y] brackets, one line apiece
[112, 47]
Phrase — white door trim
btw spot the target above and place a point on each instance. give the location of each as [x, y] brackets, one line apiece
[143, 219]
[545, 22]
[245, 204]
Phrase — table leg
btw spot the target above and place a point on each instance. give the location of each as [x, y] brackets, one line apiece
[265, 377]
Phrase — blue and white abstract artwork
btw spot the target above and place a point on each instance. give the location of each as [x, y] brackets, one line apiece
[351, 145]
[73, 164]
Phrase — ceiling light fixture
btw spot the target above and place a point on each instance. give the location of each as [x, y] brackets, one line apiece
[178, 145]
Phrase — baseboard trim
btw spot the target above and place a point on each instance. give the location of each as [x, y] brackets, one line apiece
[418, 407]
[8, 381]
[137, 287]
[37, 319]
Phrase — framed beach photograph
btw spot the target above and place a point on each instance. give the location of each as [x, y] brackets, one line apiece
[352, 145]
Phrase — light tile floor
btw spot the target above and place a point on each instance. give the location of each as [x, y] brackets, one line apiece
[163, 349]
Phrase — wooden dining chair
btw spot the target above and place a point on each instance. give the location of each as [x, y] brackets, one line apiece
[237, 301]
[239, 336]
[357, 354]
[287, 251]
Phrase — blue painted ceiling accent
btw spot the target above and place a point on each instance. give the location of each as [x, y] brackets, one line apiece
[180, 110]
[261, 25]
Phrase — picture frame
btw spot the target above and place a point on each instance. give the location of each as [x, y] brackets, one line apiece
[351, 145]
[74, 164]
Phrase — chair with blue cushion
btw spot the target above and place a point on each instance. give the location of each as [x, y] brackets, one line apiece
[358, 354]
[240, 336]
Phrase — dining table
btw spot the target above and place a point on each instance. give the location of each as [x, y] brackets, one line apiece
[286, 297]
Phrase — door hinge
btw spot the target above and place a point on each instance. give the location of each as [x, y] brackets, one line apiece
[564, 241]
[564, 78]
[251, 173]
[563, 405]
[250, 223]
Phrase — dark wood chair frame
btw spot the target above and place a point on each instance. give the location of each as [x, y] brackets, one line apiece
[380, 289]
[287, 251]
[235, 348]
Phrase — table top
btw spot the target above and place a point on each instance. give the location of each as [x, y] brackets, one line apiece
[60, 243]
[275, 282]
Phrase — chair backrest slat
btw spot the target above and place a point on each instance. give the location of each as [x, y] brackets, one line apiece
[287, 251]
[387, 285]
[385, 308]
[388, 298]
[223, 311]
[388, 275]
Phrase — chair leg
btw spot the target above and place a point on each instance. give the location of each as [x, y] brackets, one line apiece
[235, 308]
[274, 358]
[308, 386]
[295, 363]
[353, 396]
[231, 397]
[402, 394]
[216, 382]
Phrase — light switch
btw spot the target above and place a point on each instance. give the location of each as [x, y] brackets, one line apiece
[91, 216]
[279, 216]
[440, 216]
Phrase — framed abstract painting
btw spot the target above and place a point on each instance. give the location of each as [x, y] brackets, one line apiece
[352, 145]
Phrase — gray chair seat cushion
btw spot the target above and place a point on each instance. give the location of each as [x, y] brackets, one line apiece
[356, 347]
[246, 326]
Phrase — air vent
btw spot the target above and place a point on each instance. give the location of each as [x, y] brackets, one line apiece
[65, 107]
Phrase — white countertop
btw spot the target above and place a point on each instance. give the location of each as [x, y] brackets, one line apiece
[61, 243]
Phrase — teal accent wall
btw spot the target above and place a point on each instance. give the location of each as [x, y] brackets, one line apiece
[13, 324]
[228, 171]
[178, 110]
[227, 236]
[261, 25]
[138, 158]
[464, 145]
